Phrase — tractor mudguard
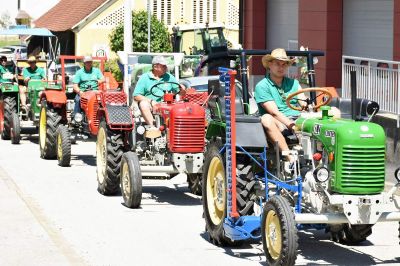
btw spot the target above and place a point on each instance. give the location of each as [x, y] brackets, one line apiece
[9, 87]
[54, 97]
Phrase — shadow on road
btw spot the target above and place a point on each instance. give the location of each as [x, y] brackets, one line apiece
[313, 246]
[173, 196]
[87, 159]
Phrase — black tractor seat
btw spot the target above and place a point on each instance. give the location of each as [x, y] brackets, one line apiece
[364, 107]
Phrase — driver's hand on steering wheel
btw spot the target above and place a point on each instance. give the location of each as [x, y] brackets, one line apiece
[182, 90]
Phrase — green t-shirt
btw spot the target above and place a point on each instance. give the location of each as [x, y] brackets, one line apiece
[88, 78]
[266, 90]
[147, 80]
[37, 74]
[4, 70]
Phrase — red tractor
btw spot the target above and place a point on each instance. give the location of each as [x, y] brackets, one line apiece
[104, 110]
[176, 147]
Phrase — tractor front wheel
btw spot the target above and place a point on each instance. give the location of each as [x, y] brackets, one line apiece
[352, 234]
[8, 106]
[279, 232]
[194, 182]
[63, 146]
[15, 130]
[215, 197]
[48, 123]
[131, 180]
[109, 151]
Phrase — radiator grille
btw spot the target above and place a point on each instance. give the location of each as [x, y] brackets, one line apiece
[362, 168]
[188, 134]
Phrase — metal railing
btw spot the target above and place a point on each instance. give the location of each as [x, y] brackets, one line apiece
[377, 80]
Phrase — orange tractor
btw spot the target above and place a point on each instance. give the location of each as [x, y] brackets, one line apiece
[104, 110]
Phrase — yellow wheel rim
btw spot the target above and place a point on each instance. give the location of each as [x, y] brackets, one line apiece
[216, 191]
[101, 157]
[126, 184]
[42, 128]
[59, 148]
[273, 234]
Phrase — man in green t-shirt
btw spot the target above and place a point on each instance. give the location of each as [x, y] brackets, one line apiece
[271, 93]
[142, 94]
[88, 77]
[4, 70]
[33, 72]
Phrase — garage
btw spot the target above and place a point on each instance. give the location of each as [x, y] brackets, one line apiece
[368, 28]
[282, 24]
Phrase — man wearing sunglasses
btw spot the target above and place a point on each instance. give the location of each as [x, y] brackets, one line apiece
[4, 70]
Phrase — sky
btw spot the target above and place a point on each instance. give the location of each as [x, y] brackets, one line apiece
[35, 8]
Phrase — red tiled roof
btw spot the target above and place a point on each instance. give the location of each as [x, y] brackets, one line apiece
[67, 13]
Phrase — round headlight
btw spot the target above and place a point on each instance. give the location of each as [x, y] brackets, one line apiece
[78, 117]
[397, 175]
[140, 130]
[321, 174]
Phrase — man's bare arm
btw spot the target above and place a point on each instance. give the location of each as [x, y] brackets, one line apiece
[273, 110]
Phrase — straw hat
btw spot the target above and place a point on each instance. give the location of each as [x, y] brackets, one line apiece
[31, 59]
[276, 54]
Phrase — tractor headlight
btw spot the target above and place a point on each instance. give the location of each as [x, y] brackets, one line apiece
[321, 174]
[78, 117]
[397, 175]
[140, 130]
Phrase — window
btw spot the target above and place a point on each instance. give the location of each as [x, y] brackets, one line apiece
[162, 9]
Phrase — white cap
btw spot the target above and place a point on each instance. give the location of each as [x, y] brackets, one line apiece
[87, 58]
[159, 59]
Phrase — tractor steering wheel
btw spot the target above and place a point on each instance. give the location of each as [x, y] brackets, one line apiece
[163, 92]
[89, 87]
[324, 92]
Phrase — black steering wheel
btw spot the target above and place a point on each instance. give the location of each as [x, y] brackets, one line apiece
[163, 91]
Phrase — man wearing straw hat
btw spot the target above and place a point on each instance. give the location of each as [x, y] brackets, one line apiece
[271, 93]
[33, 72]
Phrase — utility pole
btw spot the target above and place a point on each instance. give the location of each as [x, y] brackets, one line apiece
[127, 41]
[148, 25]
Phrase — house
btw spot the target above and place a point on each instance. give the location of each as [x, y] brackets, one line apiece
[83, 26]
[351, 27]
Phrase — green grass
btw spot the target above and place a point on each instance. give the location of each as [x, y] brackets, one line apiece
[4, 41]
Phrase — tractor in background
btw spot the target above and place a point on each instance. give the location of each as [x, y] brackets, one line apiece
[104, 111]
[177, 146]
[12, 120]
[336, 184]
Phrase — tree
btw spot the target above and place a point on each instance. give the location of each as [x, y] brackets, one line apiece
[160, 39]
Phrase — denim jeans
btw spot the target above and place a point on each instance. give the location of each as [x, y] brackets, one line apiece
[77, 107]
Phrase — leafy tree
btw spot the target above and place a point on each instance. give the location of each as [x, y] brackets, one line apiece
[160, 39]
[5, 20]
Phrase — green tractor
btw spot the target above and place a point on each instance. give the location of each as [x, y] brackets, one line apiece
[12, 120]
[336, 184]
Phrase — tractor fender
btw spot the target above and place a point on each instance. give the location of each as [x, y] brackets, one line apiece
[55, 97]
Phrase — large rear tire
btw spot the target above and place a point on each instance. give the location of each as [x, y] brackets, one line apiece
[131, 180]
[9, 104]
[215, 197]
[109, 151]
[279, 232]
[63, 146]
[48, 123]
[15, 130]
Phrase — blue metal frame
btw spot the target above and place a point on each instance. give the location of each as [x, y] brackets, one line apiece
[249, 227]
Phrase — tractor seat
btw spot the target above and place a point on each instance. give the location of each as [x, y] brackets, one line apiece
[364, 107]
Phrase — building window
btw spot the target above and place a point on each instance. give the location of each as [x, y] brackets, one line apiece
[162, 9]
[233, 16]
[204, 11]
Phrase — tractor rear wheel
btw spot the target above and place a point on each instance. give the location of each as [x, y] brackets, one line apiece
[215, 197]
[63, 146]
[109, 151]
[48, 123]
[194, 182]
[279, 232]
[15, 130]
[131, 180]
[8, 107]
[352, 234]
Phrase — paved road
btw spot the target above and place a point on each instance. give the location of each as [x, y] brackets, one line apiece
[55, 216]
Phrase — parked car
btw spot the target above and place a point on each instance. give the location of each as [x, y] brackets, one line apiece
[17, 49]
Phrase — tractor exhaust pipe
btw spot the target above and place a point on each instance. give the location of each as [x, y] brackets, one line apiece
[331, 218]
[353, 88]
